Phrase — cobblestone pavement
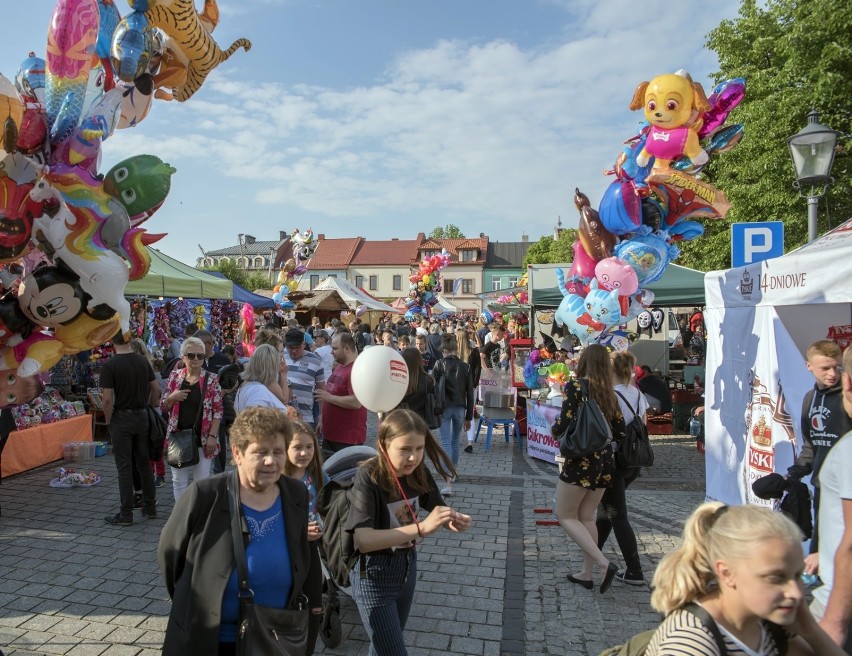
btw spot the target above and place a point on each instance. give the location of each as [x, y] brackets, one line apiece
[70, 584]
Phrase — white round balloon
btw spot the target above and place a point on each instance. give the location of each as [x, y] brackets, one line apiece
[379, 378]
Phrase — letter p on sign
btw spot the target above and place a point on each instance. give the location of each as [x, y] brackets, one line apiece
[755, 242]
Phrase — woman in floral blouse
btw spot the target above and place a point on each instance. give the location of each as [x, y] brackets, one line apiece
[186, 389]
[583, 480]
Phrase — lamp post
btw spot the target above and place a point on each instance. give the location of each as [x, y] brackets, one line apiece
[271, 262]
[812, 150]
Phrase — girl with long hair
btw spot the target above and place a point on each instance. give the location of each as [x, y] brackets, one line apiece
[419, 383]
[612, 514]
[304, 463]
[743, 566]
[583, 480]
[386, 496]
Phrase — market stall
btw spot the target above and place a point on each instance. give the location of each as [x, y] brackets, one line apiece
[760, 320]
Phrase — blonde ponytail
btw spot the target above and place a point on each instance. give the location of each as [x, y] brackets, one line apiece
[714, 532]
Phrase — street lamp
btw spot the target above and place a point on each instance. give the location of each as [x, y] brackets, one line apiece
[812, 150]
[271, 262]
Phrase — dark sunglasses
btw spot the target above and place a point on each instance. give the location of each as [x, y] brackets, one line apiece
[194, 356]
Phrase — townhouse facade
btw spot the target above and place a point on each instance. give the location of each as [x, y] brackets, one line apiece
[382, 268]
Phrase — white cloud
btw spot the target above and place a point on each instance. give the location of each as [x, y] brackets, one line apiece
[489, 131]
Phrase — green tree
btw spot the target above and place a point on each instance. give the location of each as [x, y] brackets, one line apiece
[548, 250]
[232, 271]
[449, 231]
[795, 55]
[259, 280]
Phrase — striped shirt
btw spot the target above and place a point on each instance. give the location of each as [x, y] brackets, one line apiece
[303, 376]
[683, 634]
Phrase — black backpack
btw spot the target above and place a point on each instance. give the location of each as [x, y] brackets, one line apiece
[635, 450]
[333, 504]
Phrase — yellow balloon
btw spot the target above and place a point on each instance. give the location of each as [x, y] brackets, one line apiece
[293, 285]
[282, 277]
[427, 279]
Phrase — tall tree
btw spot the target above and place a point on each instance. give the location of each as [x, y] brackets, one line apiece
[449, 231]
[795, 55]
[548, 250]
[232, 271]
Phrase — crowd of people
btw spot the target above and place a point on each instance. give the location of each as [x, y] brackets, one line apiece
[278, 413]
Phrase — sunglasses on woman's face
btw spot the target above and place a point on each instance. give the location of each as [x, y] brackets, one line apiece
[194, 356]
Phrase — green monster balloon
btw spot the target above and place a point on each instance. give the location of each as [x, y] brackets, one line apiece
[140, 183]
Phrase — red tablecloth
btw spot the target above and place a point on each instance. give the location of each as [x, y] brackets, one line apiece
[33, 447]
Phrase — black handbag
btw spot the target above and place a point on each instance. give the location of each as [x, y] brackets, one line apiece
[182, 451]
[263, 631]
[589, 432]
[432, 415]
[635, 450]
[157, 429]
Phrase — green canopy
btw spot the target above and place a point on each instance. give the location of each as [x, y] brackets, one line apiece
[170, 278]
[678, 286]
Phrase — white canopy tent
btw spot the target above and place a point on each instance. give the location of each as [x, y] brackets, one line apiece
[354, 296]
[760, 320]
[446, 306]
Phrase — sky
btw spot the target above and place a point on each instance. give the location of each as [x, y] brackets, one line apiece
[385, 118]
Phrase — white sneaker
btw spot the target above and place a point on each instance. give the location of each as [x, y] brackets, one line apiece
[447, 491]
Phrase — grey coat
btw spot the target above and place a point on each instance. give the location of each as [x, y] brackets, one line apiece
[196, 558]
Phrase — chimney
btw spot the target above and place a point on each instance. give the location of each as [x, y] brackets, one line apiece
[320, 237]
[282, 235]
[421, 236]
[394, 238]
[250, 239]
[525, 239]
[482, 235]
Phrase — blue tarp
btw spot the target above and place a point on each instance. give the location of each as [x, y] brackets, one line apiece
[243, 295]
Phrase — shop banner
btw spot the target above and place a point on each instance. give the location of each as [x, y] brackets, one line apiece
[540, 443]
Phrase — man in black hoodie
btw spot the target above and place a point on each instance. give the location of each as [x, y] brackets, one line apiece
[824, 420]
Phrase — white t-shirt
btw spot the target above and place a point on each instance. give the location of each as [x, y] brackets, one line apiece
[253, 394]
[835, 485]
[633, 395]
[327, 360]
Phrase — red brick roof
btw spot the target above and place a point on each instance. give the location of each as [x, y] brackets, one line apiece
[335, 253]
[454, 245]
[393, 251]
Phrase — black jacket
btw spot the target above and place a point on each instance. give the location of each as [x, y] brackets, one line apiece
[458, 383]
[824, 421]
[196, 558]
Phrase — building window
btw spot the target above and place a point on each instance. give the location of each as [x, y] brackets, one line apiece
[374, 283]
[314, 281]
[397, 283]
[447, 285]
[468, 255]
[467, 286]
[359, 281]
[496, 284]
[258, 263]
[428, 254]
[513, 281]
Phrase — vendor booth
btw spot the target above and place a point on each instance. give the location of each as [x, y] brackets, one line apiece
[243, 295]
[760, 320]
[353, 296]
[170, 278]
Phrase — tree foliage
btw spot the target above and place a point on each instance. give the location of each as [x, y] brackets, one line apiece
[795, 55]
[449, 231]
[548, 250]
[250, 280]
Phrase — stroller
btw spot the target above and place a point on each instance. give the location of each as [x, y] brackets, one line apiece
[341, 466]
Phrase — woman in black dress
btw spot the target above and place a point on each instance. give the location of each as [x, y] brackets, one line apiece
[583, 480]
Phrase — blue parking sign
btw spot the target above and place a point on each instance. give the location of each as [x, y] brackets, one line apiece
[755, 242]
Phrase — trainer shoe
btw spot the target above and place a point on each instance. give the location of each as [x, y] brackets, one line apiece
[629, 579]
[159, 481]
[468, 448]
[119, 520]
[447, 491]
[150, 513]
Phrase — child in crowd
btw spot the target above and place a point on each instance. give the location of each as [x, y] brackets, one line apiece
[742, 567]
[387, 493]
[304, 463]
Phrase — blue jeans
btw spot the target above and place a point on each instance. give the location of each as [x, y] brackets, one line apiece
[452, 423]
[384, 599]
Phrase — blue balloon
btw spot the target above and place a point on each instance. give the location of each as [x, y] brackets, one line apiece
[278, 297]
[620, 209]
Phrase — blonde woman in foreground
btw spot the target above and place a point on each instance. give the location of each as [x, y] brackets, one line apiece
[743, 565]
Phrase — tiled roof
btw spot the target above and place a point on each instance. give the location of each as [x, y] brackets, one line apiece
[257, 248]
[506, 255]
[393, 251]
[454, 245]
[335, 253]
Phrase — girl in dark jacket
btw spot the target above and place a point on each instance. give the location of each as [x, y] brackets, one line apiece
[419, 384]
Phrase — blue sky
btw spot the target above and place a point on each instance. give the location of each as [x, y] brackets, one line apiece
[381, 118]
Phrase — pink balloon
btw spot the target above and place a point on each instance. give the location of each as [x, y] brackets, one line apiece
[613, 273]
[724, 98]
[583, 265]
